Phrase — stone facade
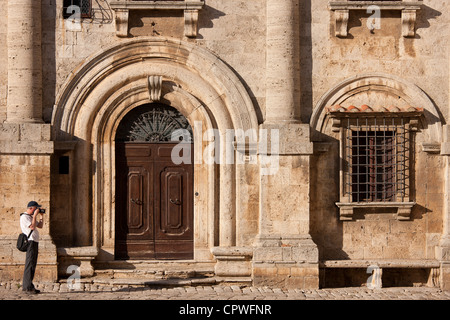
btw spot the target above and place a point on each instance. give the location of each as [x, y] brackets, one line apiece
[273, 215]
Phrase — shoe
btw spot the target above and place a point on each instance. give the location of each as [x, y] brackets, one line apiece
[32, 291]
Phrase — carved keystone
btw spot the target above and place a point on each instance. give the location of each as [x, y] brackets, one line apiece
[154, 87]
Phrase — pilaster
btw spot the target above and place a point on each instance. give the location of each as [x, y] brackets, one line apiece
[25, 151]
[282, 61]
[284, 252]
[24, 102]
[443, 250]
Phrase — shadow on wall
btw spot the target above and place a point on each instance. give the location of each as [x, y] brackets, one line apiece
[306, 63]
[206, 17]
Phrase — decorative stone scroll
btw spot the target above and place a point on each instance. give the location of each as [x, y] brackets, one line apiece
[408, 8]
[190, 8]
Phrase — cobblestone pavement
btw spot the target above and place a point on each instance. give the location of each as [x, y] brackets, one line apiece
[218, 302]
[12, 291]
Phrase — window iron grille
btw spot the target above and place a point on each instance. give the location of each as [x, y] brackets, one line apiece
[70, 8]
[154, 123]
[377, 155]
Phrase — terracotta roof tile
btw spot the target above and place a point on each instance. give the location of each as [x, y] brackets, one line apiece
[366, 108]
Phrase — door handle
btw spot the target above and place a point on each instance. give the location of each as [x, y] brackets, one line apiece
[176, 201]
[136, 201]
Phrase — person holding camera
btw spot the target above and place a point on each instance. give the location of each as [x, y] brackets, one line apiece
[29, 222]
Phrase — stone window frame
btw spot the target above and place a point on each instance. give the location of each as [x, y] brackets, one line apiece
[190, 8]
[408, 10]
[341, 118]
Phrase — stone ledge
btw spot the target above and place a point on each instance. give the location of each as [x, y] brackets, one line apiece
[25, 138]
[232, 262]
[159, 5]
[383, 5]
[380, 263]
[191, 8]
[232, 252]
[29, 148]
[346, 209]
[79, 256]
[408, 8]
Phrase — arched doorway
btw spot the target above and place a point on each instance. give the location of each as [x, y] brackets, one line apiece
[115, 81]
[154, 185]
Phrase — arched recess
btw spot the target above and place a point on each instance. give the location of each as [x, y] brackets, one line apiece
[367, 88]
[99, 93]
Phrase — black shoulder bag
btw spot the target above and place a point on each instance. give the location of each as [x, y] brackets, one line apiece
[22, 241]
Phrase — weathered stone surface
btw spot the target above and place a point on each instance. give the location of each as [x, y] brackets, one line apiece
[270, 215]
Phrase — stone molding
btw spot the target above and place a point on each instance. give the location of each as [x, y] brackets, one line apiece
[234, 264]
[383, 83]
[346, 209]
[105, 87]
[25, 138]
[80, 256]
[408, 8]
[154, 87]
[190, 8]
[188, 56]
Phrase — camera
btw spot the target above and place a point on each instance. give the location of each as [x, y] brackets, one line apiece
[41, 210]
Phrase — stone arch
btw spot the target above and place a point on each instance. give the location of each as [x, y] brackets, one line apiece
[387, 85]
[102, 90]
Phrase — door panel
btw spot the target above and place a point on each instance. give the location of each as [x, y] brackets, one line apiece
[174, 203]
[137, 218]
[134, 225]
[174, 232]
[154, 203]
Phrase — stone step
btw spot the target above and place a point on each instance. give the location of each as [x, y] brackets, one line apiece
[143, 282]
[103, 281]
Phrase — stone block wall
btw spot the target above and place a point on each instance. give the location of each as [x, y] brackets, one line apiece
[377, 233]
[24, 177]
[3, 61]
[275, 214]
[223, 27]
[422, 59]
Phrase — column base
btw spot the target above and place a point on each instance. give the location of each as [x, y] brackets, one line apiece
[286, 261]
[443, 254]
[13, 261]
[233, 264]
[78, 256]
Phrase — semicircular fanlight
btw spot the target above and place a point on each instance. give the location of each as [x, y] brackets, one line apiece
[154, 123]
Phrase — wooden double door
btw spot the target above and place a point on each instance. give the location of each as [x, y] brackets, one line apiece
[154, 203]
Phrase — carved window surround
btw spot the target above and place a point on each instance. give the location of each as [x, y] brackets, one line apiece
[190, 8]
[365, 119]
[346, 209]
[408, 8]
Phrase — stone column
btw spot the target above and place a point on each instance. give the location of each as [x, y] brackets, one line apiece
[284, 253]
[227, 211]
[233, 263]
[24, 103]
[443, 250]
[25, 142]
[282, 61]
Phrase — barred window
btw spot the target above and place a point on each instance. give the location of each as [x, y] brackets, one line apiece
[73, 7]
[376, 146]
[377, 157]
